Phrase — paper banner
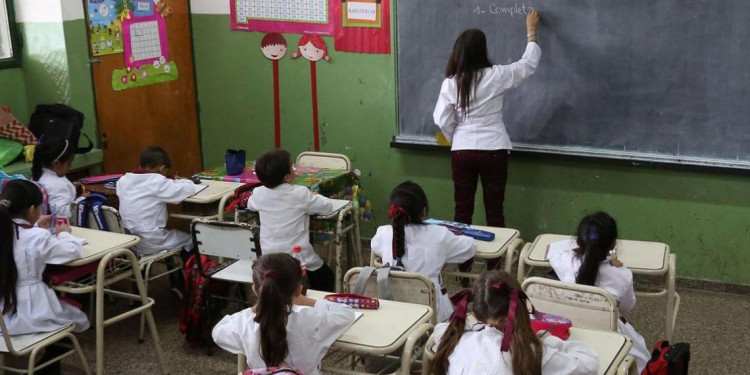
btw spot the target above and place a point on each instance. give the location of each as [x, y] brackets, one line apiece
[367, 38]
[157, 72]
[283, 16]
[105, 25]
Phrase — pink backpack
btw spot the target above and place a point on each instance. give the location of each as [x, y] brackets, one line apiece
[280, 370]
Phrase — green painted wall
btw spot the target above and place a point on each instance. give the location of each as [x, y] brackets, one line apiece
[81, 93]
[703, 216]
[13, 92]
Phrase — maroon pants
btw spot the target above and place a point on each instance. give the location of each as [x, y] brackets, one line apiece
[468, 167]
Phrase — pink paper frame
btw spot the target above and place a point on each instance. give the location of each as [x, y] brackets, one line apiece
[284, 26]
[127, 39]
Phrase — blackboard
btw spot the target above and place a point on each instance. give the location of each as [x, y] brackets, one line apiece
[654, 80]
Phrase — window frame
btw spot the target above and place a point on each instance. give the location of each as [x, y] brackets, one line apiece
[15, 39]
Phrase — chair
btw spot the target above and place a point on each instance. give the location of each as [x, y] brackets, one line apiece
[323, 160]
[32, 345]
[586, 306]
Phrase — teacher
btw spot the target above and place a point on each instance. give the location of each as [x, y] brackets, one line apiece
[469, 112]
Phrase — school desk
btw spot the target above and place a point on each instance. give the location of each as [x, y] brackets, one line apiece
[203, 203]
[641, 257]
[381, 332]
[115, 263]
[611, 350]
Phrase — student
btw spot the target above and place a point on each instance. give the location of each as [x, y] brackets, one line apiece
[144, 195]
[284, 327]
[285, 211]
[53, 158]
[502, 342]
[417, 247]
[469, 112]
[586, 260]
[29, 306]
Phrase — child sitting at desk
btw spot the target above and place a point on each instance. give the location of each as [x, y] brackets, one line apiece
[144, 195]
[591, 259]
[53, 158]
[285, 211]
[502, 341]
[284, 327]
[425, 249]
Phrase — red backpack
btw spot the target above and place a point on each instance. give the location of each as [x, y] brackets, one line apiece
[195, 320]
[668, 359]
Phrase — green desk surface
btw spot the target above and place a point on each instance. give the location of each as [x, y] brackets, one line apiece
[82, 161]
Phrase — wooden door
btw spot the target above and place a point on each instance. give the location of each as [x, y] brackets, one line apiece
[162, 114]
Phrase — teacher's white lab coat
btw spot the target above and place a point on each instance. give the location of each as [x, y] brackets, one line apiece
[478, 353]
[428, 249]
[38, 308]
[60, 191]
[285, 219]
[143, 207]
[616, 280]
[310, 331]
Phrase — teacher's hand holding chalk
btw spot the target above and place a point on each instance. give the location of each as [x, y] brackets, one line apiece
[532, 19]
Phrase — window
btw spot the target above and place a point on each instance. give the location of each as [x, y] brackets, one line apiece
[10, 51]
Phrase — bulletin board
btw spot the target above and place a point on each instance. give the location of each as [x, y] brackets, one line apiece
[283, 16]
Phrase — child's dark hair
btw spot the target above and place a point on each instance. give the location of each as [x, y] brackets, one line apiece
[15, 198]
[48, 151]
[408, 204]
[276, 278]
[596, 236]
[155, 157]
[491, 297]
[272, 166]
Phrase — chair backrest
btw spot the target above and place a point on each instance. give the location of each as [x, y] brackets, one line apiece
[111, 216]
[406, 287]
[226, 239]
[7, 343]
[324, 160]
[586, 306]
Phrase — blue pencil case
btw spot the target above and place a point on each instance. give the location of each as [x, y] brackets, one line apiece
[480, 235]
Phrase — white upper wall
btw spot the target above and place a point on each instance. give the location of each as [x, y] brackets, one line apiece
[48, 10]
[209, 6]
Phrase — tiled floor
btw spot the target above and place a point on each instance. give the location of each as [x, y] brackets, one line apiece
[716, 325]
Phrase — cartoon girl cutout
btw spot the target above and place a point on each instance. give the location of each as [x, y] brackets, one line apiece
[313, 48]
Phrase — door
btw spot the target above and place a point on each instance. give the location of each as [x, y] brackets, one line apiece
[162, 114]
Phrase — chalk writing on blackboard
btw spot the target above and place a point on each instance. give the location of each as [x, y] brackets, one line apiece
[507, 10]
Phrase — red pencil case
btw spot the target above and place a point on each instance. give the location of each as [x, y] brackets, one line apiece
[354, 300]
[554, 324]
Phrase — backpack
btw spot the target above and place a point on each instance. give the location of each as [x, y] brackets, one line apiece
[241, 196]
[668, 359]
[280, 370]
[59, 121]
[92, 204]
[194, 320]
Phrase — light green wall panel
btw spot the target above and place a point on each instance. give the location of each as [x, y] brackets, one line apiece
[13, 93]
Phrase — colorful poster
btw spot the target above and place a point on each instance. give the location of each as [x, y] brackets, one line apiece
[355, 30]
[145, 40]
[105, 25]
[283, 16]
[144, 75]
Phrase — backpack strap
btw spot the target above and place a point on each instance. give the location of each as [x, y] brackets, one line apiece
[364, 275]
[92, 204]
[83, 150]
[383, 288]
[83, 213]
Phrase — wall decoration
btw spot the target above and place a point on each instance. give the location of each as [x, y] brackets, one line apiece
[283, 16]
[145, 40]
[144, 75]
[355, 30]
[274, 48]
[313, 48]
[105, 25]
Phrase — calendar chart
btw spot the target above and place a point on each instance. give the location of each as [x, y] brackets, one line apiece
[145, 41]
[297, 16]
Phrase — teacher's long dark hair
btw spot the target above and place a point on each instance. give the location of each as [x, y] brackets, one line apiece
[467, 60]
[276, 278]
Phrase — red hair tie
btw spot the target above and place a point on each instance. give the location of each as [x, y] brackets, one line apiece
[394, 209]
[270, 274]
[461, 301]
[510, 322]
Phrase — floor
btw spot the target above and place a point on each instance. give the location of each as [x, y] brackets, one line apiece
[716, 325]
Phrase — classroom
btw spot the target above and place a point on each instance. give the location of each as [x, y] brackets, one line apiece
[631, 109]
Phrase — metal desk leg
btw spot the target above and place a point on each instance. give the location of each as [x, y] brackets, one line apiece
[510, 253]
[521, 265]
[672, 298]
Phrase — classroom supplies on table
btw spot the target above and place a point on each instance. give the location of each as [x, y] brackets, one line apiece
[556, 325]
[463, 229]
[234, 160]
[101, 179]
[280, 370]
[356, 301]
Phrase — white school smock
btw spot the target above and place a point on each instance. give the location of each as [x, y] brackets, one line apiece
[616, 280]
[143, 208]
[483, 127]
[60, 191]
[428, 248]
[310, 331]
[38, 308]
[478, 353]
[285, 219]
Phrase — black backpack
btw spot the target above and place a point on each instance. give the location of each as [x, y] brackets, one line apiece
[59, 121]
[668, 359]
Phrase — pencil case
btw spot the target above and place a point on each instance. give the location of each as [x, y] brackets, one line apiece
[477, 234]
[354, 300]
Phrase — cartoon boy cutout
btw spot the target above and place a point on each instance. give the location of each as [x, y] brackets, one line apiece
[273, 46]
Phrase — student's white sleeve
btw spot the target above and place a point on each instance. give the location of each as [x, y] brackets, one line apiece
[379, 242]
[626, 303]
[176, 191]
[62, 248]
[568, 357]
[317, 204]
[457, 249]
[511, 75]
[333, 319]
[226, 333]
[444, 114]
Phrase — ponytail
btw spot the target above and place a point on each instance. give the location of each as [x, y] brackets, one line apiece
[47, 152]
[453, 333]
[408, 205]
[525, 346]
[596, 236]
[400, 218]
[277, 278]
